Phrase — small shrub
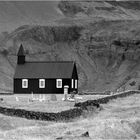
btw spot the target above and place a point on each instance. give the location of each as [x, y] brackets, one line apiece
[123, 57]
[132, 83]
[139, 87]
[117, 43]
[5, 52]
[26, 51]
[107, 92]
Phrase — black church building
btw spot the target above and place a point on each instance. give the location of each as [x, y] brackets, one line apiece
[44, 77]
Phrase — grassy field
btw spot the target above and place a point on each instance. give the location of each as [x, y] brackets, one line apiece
[45, 106]
[119, 119]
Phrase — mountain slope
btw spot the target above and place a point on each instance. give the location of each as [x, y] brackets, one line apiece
[17, 13]
[105, 47]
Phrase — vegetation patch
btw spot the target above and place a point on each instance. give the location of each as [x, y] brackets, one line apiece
[51, 34]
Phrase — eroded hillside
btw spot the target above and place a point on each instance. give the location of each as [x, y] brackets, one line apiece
[105, 47]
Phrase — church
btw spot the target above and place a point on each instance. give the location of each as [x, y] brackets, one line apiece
[44, 77]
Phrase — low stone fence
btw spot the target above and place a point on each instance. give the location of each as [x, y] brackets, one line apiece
[94, 93]
[8, 93]
[106, 99]
[60, 116]
[64, 115]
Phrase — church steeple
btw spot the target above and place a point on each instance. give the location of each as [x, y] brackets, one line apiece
[21, 55]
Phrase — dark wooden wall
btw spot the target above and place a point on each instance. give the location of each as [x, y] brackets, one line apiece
[21, 59]
[50, 86]
[74, 73]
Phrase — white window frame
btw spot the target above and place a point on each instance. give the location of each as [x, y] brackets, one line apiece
[57, 83]
[76, 84]
[24, 83]
[72, 83]
[40, 81]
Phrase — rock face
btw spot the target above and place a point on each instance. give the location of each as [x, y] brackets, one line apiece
[105, 47]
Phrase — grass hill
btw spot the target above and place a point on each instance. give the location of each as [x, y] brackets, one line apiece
[102, 37]
[14, 14]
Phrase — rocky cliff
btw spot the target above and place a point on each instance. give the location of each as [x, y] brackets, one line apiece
[102, 37]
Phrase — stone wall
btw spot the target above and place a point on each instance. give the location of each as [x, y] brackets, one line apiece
[106, 99]
[64, 115]
[60, 116]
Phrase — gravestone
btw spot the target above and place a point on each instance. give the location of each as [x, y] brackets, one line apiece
[17, 99]
[1, 99]
[65, 93]
[53, 97]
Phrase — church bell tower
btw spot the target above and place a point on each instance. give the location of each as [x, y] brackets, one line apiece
[21, 56]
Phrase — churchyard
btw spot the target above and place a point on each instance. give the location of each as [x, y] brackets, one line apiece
[43, 102]
[119, 119]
